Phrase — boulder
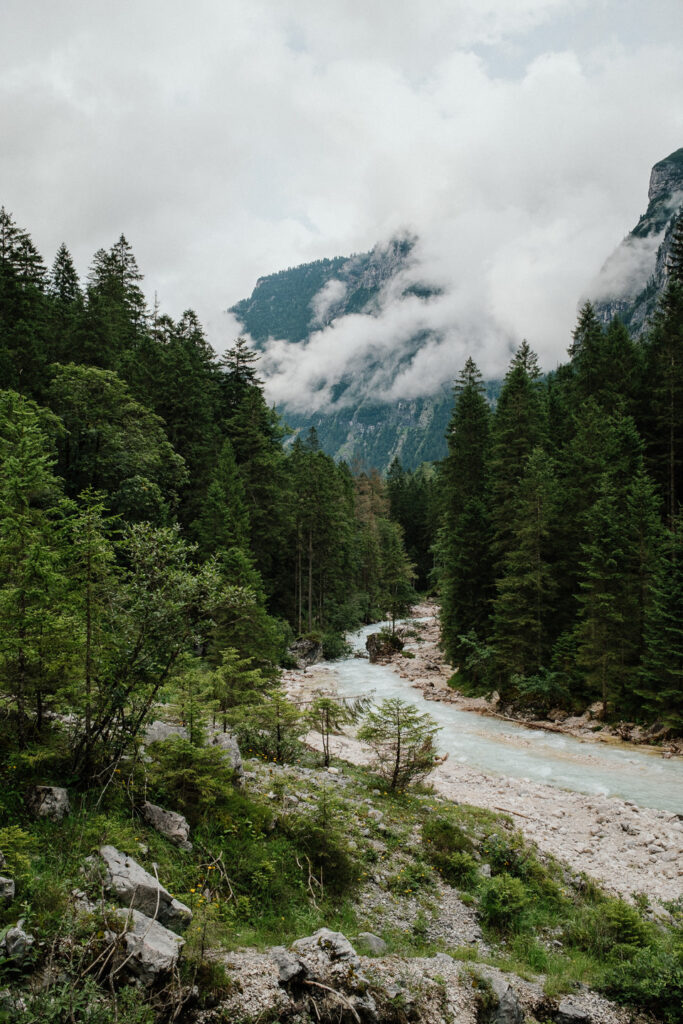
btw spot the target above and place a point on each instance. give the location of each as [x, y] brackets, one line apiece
[228, 744]
[570, 1012]
[140, 890]
[508, 1010]
[596, 711]
[7, 889]
[148, 948]
[157, 732]
[382, 645]
[288, 965]
[16, 941]
[334, 946]
[49, 802]
[373, 943]
[168, 823]
[306, 651]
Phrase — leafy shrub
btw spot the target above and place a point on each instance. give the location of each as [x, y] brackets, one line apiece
[609, 929]
[502, 901]
[335, 646]
[17, 847]
[652, 980]
[191, 779]
[445, 835]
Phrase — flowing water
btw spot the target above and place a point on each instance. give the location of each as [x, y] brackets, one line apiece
[504, 748]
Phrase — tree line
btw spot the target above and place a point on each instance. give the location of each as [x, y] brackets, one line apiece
[559, 553]
[152, 510]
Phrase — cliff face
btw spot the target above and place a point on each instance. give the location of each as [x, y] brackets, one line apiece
[635, 274]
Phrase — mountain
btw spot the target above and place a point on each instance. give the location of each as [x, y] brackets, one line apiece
[310, 302]
[296, 302]
[633, 277]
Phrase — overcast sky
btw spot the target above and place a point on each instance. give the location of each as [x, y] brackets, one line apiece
[231, 138]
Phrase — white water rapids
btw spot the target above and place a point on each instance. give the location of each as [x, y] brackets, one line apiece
[506, 749]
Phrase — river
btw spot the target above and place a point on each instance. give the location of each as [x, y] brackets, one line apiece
[506, 749]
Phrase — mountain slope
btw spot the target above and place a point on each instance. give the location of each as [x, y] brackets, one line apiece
[635, 274]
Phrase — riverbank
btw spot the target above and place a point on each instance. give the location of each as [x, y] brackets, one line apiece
[629, 849]
[423, 665]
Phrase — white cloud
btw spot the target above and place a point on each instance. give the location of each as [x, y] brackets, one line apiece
[232, 138]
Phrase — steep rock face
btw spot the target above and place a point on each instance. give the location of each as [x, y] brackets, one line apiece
[635, 274]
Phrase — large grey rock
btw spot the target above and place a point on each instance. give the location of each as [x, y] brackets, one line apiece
[157, 732]
[149, 948]
[7, 889]
[49, 802]
[288, 965]
[306, 651]
[508, 1010]
[334, 945]
[16, 941]
[373, 943]
[228, 744]
[140, 890]
[382, 645]
[570, 1012]
[168, 823]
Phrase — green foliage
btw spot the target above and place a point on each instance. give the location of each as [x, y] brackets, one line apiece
[402, 740]
[651, 979]
[269, 727]
[610, 929]
[194, 779]
[17, 847]
[502, 901]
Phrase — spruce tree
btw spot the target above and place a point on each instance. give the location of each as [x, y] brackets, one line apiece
[660, 686]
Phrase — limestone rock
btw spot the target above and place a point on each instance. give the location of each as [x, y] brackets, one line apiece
[569, 1012]
[169, 824]
[334, 945]
[152, 949]
[7, 889]
[288, 965]
[16, 941]
[382, 645]
[49, 802]
[306, 651]
[508, 1010]
[228, 744]
[140, 890]
[157, 732]
[373, 943]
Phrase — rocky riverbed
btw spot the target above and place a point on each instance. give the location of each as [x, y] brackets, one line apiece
[629, 849]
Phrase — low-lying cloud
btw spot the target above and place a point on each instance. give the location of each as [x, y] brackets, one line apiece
[234, 138]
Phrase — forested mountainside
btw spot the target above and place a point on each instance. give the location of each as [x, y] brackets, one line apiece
[294, 303]
[635, 275]
[160, 549]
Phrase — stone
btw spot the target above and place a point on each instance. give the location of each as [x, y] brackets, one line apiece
[16, 941]
[7, 889]
[2, 859]
[334, 945]
[306, 651]
[49, 802]
[229, 745]
[373, 943]
[570, 1012]
[140, 890]
[508, 1010]
[157, 732]
[382, 645]
[287, 964]
[149, 948]
[169, 824]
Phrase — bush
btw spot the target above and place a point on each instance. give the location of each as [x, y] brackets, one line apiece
[609, 929]
[449, 849]
[503, 899]
[193, 780]
[335, 646]
[651, 980]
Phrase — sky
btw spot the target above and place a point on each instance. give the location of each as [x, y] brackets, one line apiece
[228, 139]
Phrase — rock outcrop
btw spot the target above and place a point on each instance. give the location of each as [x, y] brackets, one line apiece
[169, 824]
[148, 949]
[138, 889]
[49, 802]
[382, 645]
[306, 651]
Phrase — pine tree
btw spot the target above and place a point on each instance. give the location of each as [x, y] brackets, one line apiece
[523, 608]
[463, 550]
[224, 522]
[660, 686]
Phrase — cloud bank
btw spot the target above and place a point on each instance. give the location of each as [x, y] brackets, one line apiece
[237, 137]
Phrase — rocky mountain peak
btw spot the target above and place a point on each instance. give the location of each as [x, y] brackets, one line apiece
[666, 177]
